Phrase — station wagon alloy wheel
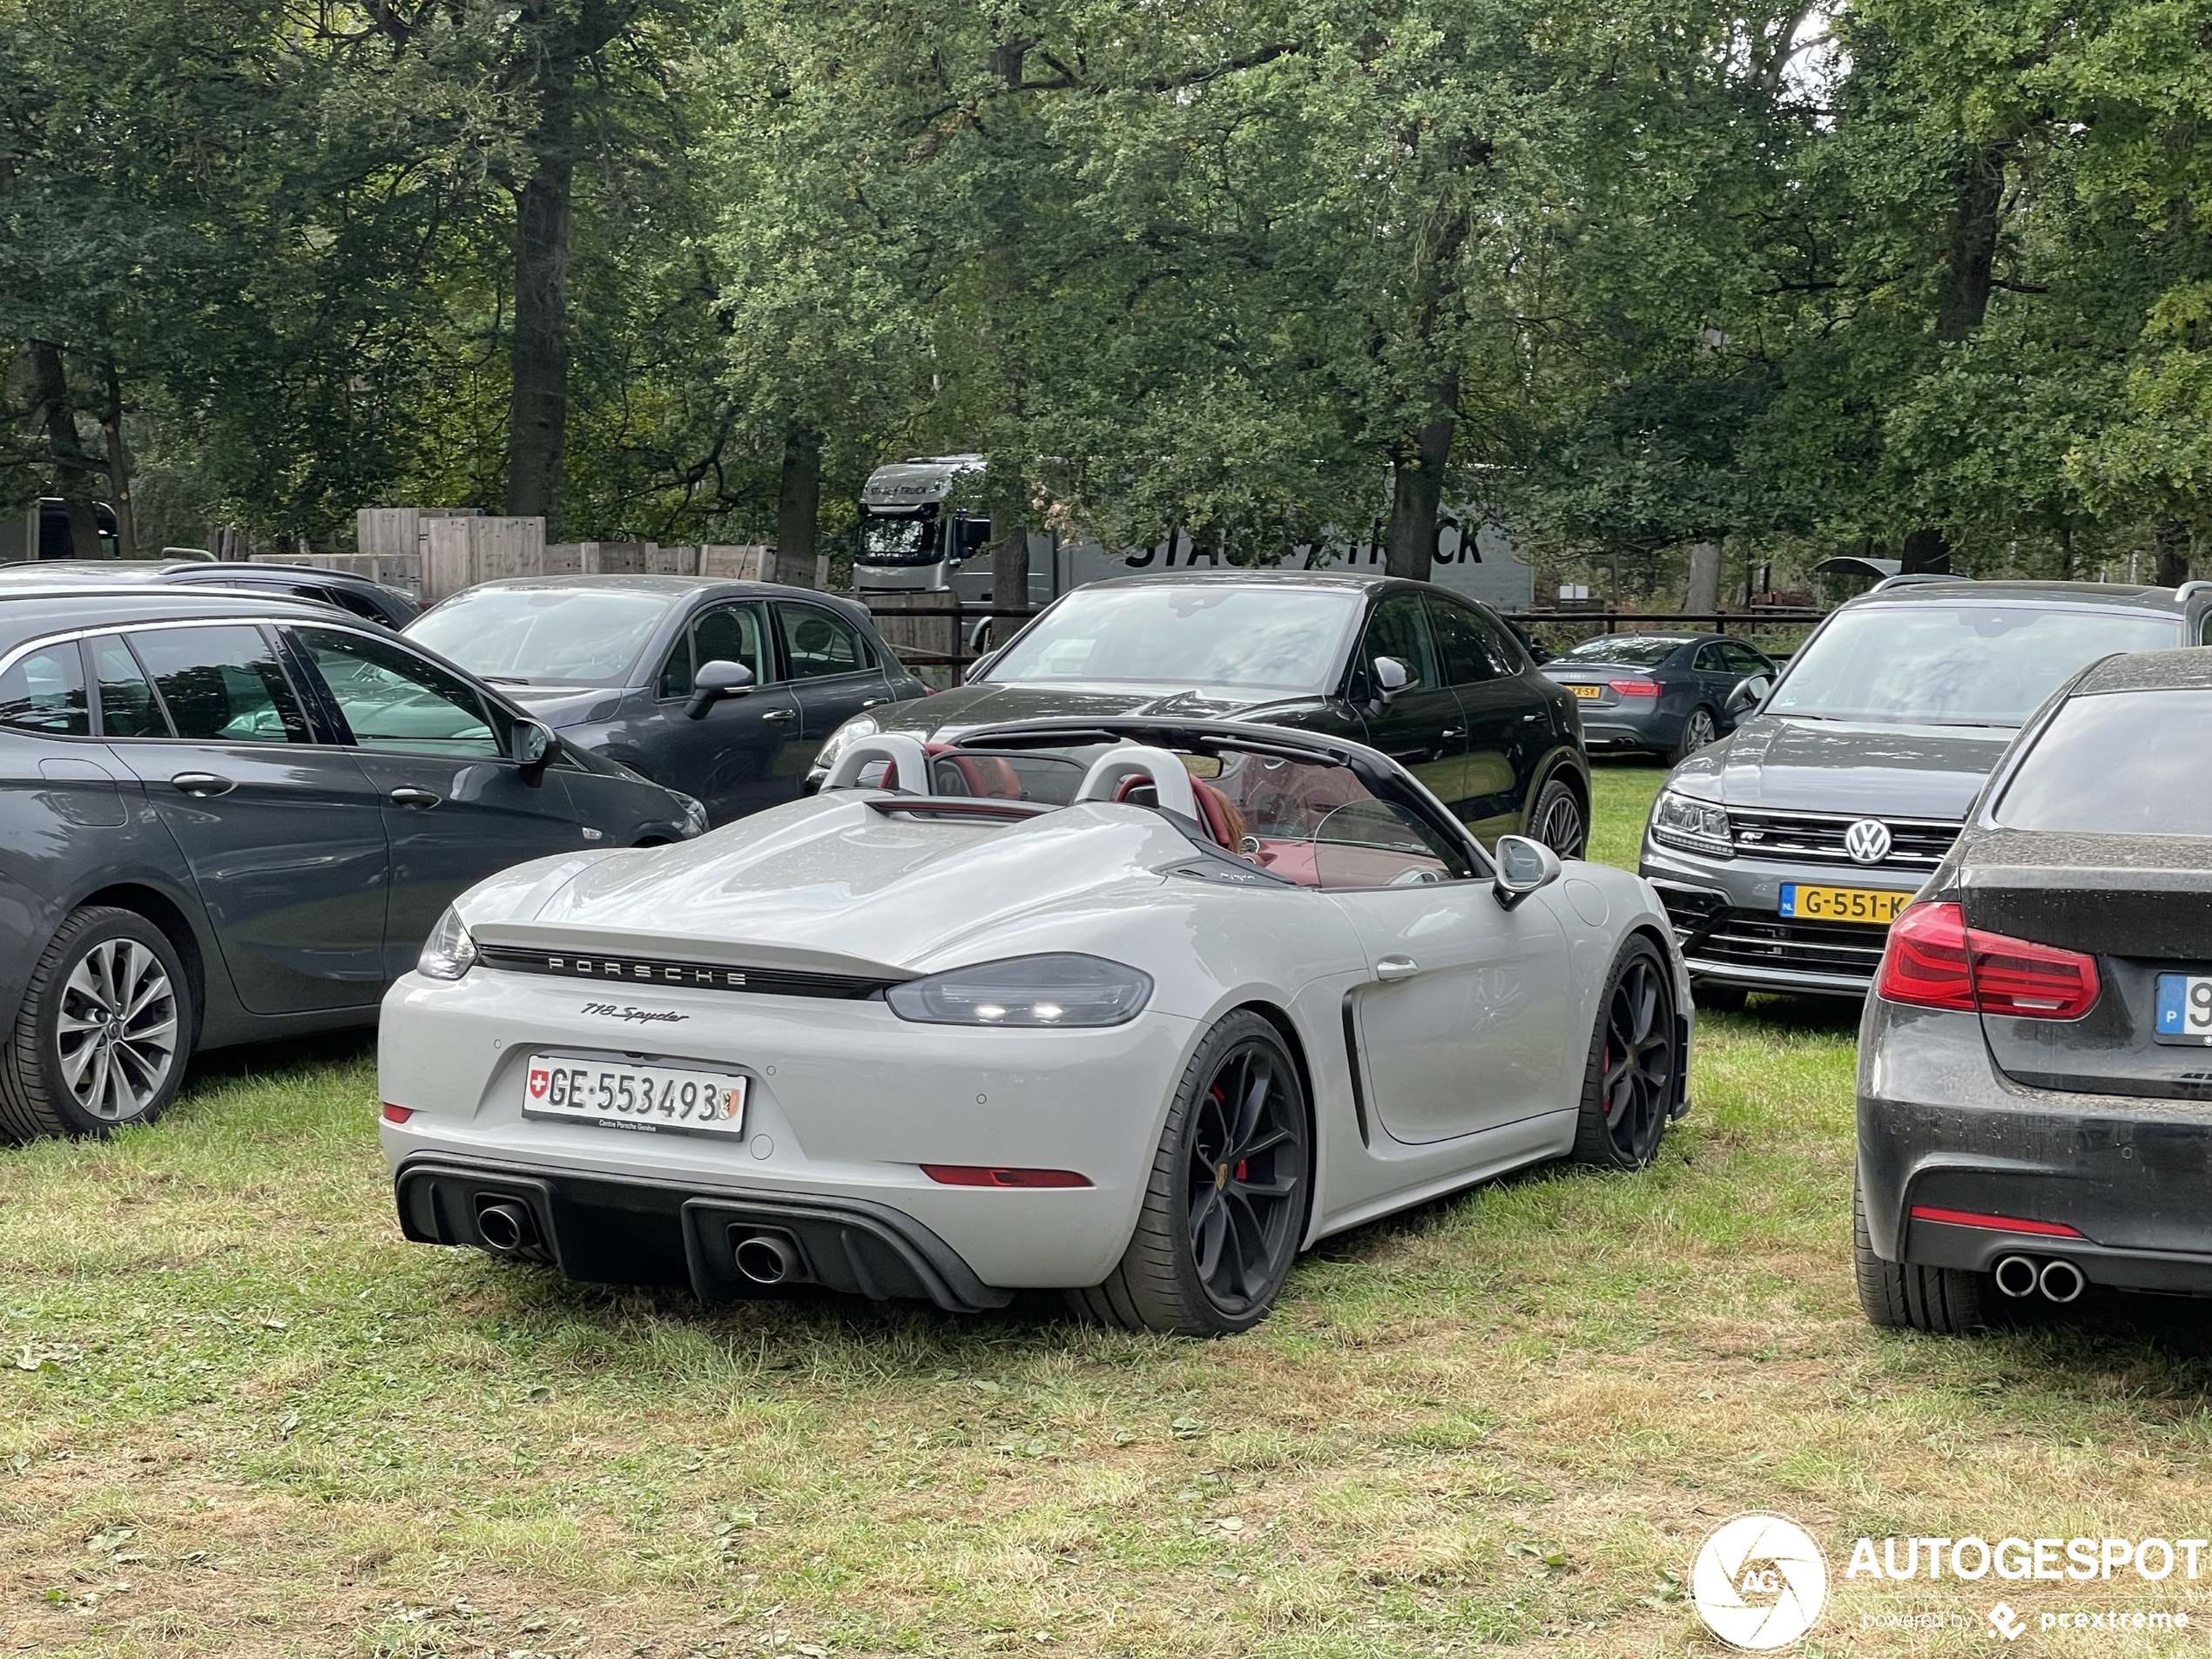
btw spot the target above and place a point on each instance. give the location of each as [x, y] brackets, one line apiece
[117, 1030]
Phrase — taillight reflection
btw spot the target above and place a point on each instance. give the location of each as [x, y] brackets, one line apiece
[1934, 960]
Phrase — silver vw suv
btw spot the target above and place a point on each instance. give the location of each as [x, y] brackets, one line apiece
[1784, 850]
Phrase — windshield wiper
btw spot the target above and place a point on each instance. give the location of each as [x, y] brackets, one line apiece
[503, 679]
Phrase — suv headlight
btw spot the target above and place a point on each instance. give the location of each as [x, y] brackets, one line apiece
[1680, 821]
[694, 815]
[1057, 990]
[448, 951]
[860, 726]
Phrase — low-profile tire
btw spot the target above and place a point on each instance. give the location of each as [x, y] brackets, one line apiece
[1631, 1083]
[1897, 1296]
[1225, 1207]
[1698, 732]
[1717, 999]
[1557, 819]
[103, 1032]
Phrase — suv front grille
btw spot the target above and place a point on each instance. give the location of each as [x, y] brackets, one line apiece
[1756, 939]
[1915, 843]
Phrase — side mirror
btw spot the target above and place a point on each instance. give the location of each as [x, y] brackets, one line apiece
[1391, 677]
[1746, 695]
[529, 745]
[715, 681]
[1524, 867]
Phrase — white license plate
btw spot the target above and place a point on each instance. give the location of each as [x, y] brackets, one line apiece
[2185, 1009]
[631, 1096]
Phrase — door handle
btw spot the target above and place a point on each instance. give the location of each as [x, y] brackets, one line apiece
[781, 717]
[203, 783]
[1453, 732]
[406, 795]
[875, 703]
[1395, 968]
[1526, 719]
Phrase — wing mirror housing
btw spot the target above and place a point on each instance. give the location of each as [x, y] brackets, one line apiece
[531, 745]
[715, 681]
[1391, 677]
[1746, 695]
[1524, 867]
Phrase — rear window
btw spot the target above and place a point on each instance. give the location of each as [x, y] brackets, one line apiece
[1631, 653]
[2124, 763]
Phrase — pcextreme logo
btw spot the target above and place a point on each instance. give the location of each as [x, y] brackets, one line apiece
[1759, 1581]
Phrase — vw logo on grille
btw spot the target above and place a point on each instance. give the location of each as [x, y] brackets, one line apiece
[1867, 841]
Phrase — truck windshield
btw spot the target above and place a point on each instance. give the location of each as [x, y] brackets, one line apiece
[1955, 664]
[899, 541]
[1196, 634]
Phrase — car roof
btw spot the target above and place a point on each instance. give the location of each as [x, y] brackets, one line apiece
[2186, 670]
[1345, 581]
[2115, 596]
[26, 612]
[671, 586]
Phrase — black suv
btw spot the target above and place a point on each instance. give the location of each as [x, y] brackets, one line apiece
[1436, 682]
[229, 817]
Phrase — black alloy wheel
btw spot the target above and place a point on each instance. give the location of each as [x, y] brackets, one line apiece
[1558, 822]
[1629, 1088]
[1224, 1212]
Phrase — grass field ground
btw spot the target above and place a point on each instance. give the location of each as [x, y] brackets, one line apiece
[242, 1418]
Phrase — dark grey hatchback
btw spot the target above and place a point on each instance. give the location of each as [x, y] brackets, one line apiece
[724, 690]
[229, 819]
[2035, 1067]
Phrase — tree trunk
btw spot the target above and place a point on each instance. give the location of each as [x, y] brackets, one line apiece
[1969, 260]
[2173, 553]
[1925, 552]
[1704, 594]
[1417, 491]
[73, 468]
[1010, 559]
[119, 467]
[799, 496]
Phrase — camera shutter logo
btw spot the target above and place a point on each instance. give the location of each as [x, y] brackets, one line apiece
[1759, 1581]
[1867, 841]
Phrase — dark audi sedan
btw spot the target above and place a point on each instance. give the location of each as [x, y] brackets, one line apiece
[2035, 1068]
[229, 819]
[1667, 694]
[1437, 682]
[724, 690]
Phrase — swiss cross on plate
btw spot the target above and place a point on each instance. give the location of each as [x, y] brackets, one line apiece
[540, 1081]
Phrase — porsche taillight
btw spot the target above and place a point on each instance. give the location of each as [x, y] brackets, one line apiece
[1934, 960]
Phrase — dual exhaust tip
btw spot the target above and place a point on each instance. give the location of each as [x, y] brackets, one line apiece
[2055, 1280]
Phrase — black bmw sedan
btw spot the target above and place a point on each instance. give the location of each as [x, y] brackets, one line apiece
[225, 818]
[2035, 1066]
[1434, 681]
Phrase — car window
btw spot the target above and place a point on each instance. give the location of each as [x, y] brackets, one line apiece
[360, 604]
[1712, 659]
[1467, 655]
[1510, 655]
[819, 644]
[1742, 659]
[1380, 844]
[2125, 762]
[1399, 629]
[43, 691]
[221, 684]
[127, 708]
[394, 700]
[725, 634]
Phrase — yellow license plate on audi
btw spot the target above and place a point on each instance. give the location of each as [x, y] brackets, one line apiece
[628, 1095]
[1590, 693]
[1878, 906]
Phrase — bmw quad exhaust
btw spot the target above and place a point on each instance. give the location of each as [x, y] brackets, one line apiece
[2058, 1279]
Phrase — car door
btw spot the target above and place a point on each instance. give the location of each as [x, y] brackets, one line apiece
[741, 753]
[1504, 723]
[282, 833]
[454, 807]
[1420, 728]
[1463, 1026]
[833, 671]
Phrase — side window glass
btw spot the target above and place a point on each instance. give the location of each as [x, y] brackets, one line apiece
[821, 644]
[1743, 660]
[127, 708]
[45, 692]
[1713, 659]
[1505, 650]
[1464, 653]
[1399, 629]
[675, 673]
[394, 700]
[1378, 844]
[221, 684]
[729, 634]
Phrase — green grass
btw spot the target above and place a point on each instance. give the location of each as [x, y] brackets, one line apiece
[241, 1418]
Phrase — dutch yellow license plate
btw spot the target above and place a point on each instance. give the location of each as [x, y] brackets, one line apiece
[1589, 693]
[1878, 906]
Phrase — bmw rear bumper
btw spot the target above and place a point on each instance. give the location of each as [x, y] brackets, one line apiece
[1941, 1130]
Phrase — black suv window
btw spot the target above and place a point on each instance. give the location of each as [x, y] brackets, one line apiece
[1399, 629]
[1467, 655]
[392, 700]
[819, 644]
[43, 691]
[221, 684]
[725, 634]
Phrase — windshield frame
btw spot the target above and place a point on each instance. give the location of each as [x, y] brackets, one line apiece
[1358, 606]
[671, 604]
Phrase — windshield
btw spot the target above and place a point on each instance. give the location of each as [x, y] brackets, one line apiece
[899, 541]
[568, 635]
[2118, 763]
[1630, 652]
[1955, 664]
[1212, 633]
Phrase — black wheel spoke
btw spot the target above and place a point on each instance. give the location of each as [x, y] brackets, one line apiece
[1246, 1175]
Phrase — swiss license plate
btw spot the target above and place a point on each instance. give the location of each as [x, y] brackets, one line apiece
[2185, 1009]
[1588, 693]
[632, 1095]
[1878, 906]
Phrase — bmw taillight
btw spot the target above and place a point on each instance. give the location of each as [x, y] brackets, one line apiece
[1934, 960]
[1635, 688]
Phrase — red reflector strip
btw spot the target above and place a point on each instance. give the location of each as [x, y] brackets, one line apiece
[1635, 688]
[978, 1175]
[397, 1114]
[1996, 1223]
